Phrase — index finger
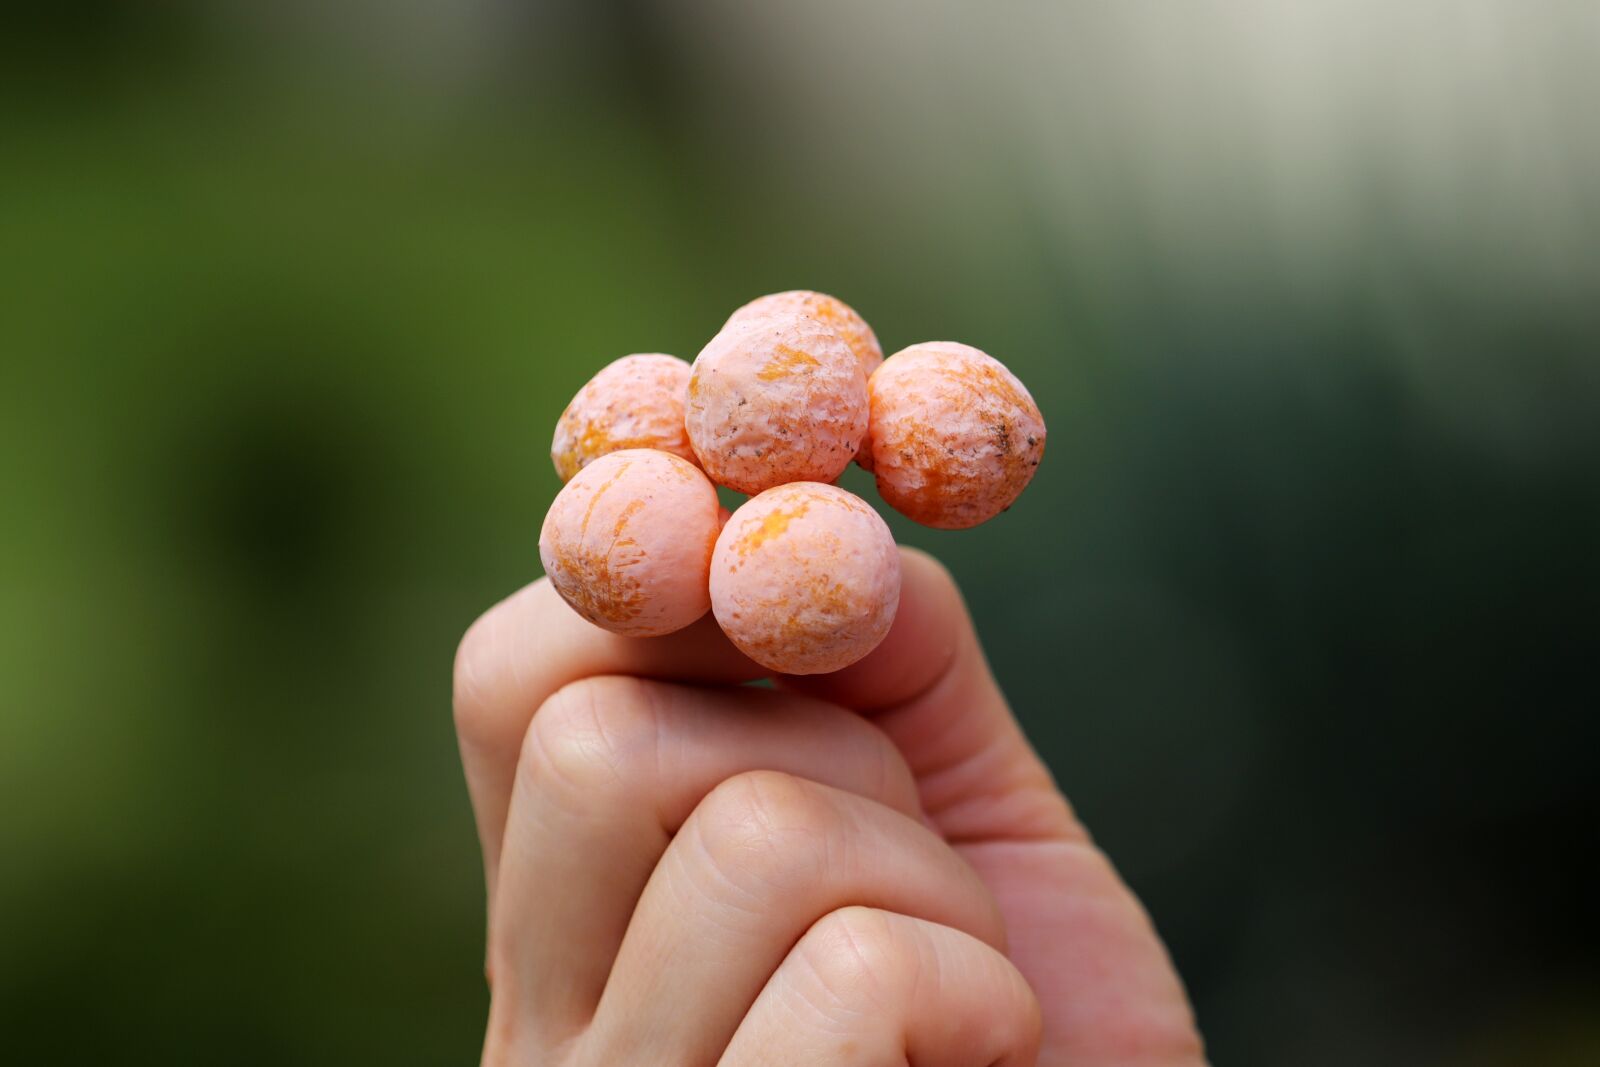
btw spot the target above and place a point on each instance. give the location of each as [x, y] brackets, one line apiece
[528, 646]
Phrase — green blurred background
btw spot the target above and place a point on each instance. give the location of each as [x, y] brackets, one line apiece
[1301, 608]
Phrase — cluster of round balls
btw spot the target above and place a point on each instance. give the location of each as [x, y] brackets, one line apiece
[804, 577]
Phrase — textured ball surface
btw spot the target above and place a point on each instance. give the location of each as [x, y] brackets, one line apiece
[628, 542]
[805, 578]
[830, 311]
[955, 436]
[775, 399]
[635, 402]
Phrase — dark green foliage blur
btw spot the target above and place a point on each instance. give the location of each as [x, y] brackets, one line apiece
[1301, 608]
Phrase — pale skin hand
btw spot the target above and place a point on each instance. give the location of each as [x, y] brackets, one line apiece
[870, 867]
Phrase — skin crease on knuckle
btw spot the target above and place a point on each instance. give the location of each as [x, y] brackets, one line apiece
[596, 734]
[764, 831]
[858, 963]
[847, 959]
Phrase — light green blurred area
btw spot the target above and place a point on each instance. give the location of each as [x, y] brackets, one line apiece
[1300, 607]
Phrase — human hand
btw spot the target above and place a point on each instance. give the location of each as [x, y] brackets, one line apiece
[866, 867]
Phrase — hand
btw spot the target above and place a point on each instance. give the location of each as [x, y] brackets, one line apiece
[867, 867]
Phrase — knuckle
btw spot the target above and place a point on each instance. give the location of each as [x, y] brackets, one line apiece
[762, 830]
[851, 958]
[1012, 1019]
[592, 734]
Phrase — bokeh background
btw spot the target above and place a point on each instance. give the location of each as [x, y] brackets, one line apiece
[1301, 608]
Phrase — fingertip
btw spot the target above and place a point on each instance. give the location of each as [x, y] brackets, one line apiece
[481, 664]
[929, 574]
[532, 642]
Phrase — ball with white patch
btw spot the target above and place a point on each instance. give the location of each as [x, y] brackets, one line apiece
[628, 541]
[805, 578]
[774, 399]
[634, 402]
[955, 436]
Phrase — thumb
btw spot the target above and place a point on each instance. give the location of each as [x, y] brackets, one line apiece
[1108, 990]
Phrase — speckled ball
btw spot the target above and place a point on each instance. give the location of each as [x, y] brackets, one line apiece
[831, 311]
[628, 542]
[634, 402]
[955, 436]
[775, 399]
[805, 578]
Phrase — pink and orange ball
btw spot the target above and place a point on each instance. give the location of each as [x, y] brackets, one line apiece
[804, 577]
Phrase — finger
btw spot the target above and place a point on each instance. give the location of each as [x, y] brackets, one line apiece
[928, 686]
[611, 768]
[530, 645]
[763, 857]
[866, 987]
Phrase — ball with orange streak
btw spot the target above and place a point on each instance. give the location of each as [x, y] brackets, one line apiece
[634, 402]
[832, 311]
[775, 399]
[628, 541]
[955, 436]
[805, 578]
